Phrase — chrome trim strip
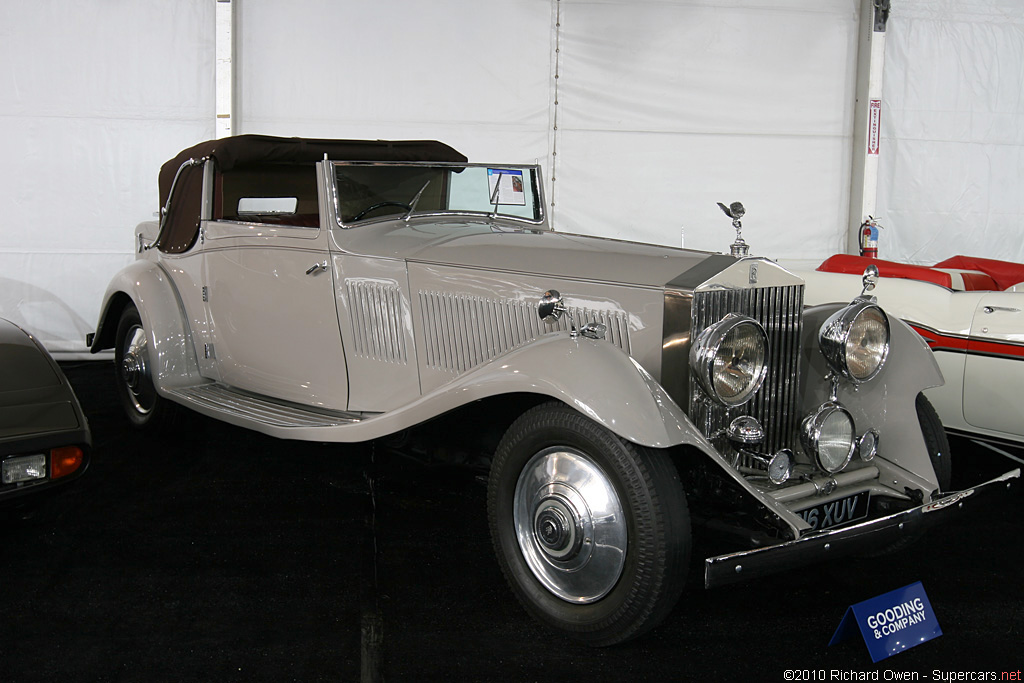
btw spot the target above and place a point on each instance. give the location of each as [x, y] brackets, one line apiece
[675, 348]
[166, 208]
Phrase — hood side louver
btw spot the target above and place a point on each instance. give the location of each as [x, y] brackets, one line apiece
[461, 331]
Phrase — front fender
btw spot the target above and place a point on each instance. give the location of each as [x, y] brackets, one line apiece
[886, 403]
[595, 378]
[147, 286]
[592, 376]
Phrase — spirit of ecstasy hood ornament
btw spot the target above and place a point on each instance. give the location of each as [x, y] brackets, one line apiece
[735, 211]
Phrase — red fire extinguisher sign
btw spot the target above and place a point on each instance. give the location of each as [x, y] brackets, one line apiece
[874, 126]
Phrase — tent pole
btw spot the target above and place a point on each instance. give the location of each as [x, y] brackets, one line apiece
[225, 46]
[867, 117]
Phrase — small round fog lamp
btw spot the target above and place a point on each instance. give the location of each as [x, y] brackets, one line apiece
[867, 445]
[828, 435]
[780, 466]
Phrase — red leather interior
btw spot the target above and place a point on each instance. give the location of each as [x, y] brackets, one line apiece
[855, 265]
[978, 274]
[1004, 273]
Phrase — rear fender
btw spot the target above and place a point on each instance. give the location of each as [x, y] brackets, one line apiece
[146, 286]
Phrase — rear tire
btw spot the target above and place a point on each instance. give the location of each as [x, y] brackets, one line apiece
[133, 373]
[591, 531]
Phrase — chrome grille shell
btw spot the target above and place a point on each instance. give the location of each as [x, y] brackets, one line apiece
[767, 293]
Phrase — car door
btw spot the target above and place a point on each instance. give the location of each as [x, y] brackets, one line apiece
[994, 370]
[274, 325]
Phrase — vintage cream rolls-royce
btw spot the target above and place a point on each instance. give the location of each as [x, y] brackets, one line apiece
[346, 290]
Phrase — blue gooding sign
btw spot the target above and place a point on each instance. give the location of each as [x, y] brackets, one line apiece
[891, 623]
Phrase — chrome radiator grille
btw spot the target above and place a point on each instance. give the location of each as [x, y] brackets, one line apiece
[779, 310]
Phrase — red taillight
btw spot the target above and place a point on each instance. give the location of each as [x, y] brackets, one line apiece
[65, 460]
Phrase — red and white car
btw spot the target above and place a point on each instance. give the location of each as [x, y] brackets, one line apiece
[970, 311]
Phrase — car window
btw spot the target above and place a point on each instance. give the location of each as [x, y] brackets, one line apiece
[374, 191]
[279, 194]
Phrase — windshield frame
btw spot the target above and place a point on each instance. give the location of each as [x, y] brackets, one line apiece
[536, 187]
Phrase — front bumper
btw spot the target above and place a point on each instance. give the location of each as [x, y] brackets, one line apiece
[831, 543]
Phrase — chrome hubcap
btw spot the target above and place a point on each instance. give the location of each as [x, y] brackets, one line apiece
[131, 371]
[570, 525]
[135, 370]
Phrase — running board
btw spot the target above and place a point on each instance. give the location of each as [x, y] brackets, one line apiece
[247, 408]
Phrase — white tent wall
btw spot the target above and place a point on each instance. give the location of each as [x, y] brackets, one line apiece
[643, 114]
[667, 108]
[94, 96]
[663, 108]
[951, 166]
[475, 75]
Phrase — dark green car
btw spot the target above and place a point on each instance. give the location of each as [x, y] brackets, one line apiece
[44, 436]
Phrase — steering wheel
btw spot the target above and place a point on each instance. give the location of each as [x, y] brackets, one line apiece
[379, 205]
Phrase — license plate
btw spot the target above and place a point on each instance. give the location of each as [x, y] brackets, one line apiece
[836, 512]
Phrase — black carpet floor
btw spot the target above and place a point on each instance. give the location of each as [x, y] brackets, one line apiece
[217, 554]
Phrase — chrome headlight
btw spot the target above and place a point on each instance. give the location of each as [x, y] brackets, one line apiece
[855, 340]
[828, 435]
[729, 359]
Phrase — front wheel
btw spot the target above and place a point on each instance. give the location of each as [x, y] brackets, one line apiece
[936, 442]
[591, 531]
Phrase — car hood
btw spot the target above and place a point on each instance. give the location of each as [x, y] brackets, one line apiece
[34, 397]
[510, 248]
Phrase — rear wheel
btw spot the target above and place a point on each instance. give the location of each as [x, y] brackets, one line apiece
[591, 531]
[133, 372]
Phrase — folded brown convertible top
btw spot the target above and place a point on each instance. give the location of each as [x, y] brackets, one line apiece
[241, 150]
[182, 225]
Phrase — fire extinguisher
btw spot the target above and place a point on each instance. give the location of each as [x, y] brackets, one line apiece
[869, 238]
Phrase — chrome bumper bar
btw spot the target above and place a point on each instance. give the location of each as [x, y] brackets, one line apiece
[823, 545]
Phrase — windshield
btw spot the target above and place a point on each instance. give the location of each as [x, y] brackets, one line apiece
[371, 191]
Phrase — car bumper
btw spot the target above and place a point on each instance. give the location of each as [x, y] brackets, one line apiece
[17, 494]
[824, 545]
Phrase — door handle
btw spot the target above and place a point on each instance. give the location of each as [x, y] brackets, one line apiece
[1003, 309]
[317, 266]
